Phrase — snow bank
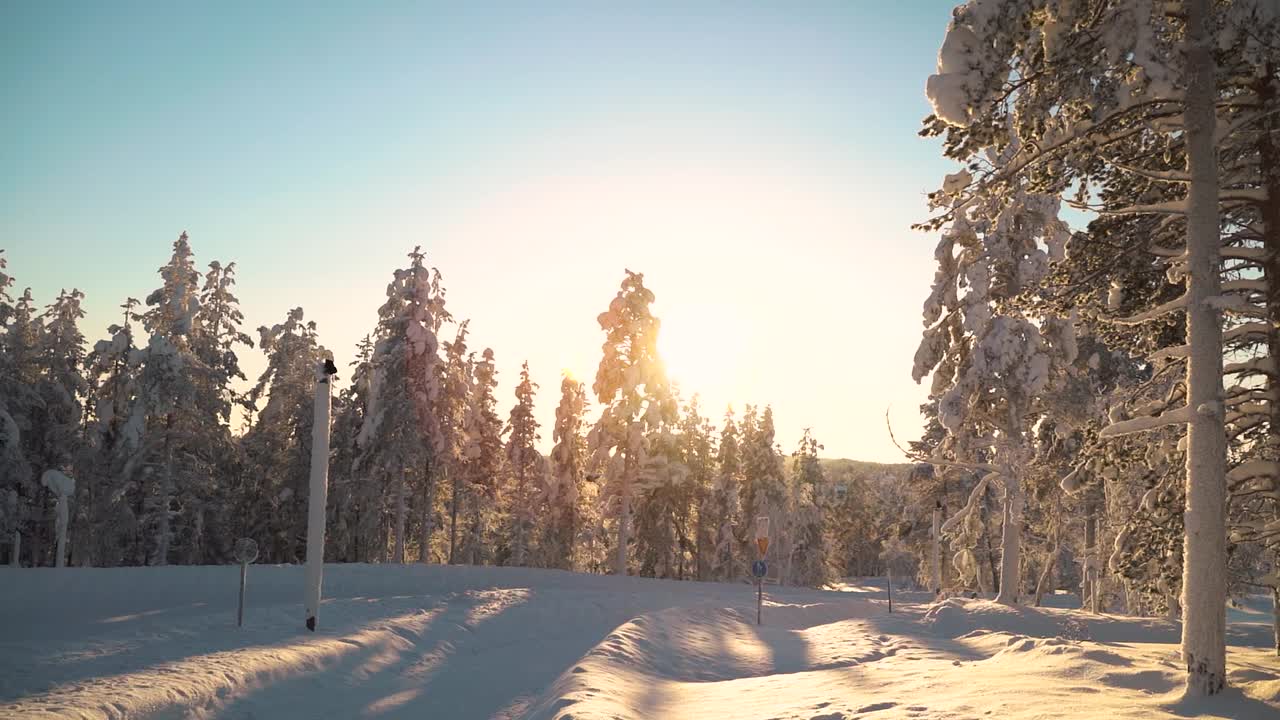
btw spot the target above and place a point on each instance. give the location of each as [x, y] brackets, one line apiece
[459, 642]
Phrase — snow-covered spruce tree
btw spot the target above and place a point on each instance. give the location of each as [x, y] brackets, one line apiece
[631, 385]
[357, 531]
[990, 362]
[812, 556]
[18, 401]
[106, 510]
[174, 459]
[455, 400]
[401, 437]
[273, 498]
[482, 466]
[719, 512]
[214, 341]
[563, 493]
[697, 445]
[766, 491]
[62, 389]
[524, 465]
[663, 508]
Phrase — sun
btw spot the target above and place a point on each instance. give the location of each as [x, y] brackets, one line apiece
[702, 348]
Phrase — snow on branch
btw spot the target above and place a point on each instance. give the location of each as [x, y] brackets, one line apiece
[1253, 469]
[1245, 330]
[1249, 284]
[1170, 176]
[1171, 207]
[1181, 416]
[1174, 305]
[969, 506]
[1245, 253]
[1258, 365]
[1169, 353]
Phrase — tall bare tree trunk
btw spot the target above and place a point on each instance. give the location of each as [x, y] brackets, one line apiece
[402, 516]
[935, 550]
[1204, 565]
[624, 517]
[428, 507]
[1010, 539]
[1091, 600]
[453, 517]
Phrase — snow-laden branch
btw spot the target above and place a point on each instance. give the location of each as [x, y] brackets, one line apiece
[1254, 469]
[969, 505]
[1245, 330]
[1169, 353]
[1181, 416]
[1170, 207]
[1258, 365]
[1169, 176]
[1244, 253]
[1177, 304]
[1252, 285]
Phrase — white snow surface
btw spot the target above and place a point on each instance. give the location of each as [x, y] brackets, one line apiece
[460, 642]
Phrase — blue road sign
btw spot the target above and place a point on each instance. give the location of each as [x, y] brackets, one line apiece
[758, 568]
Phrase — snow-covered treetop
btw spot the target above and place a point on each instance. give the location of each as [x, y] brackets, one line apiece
[175, 303]
[522, 427]
[631, 381]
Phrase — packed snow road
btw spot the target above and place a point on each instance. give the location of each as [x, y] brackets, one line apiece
[459, 642]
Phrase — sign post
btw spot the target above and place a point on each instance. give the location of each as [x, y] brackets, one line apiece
[759, 568]
[319, 489]
[246, 551]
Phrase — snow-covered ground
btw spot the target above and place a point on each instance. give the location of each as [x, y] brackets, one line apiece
[459, 642]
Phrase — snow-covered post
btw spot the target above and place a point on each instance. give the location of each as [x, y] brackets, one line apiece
[63, 488]
[319, 491]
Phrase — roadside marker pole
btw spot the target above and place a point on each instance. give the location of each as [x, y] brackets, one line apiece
[246, 551]
[759, 568]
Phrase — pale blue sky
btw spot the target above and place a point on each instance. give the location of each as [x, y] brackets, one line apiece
[757, 161]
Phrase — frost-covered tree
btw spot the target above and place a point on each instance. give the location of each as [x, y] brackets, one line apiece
[1074, 81]
[218, 336]
[168, 399]
[62, 389]
[455, 401]
[563, 495]
[632, 388]
[812, 562]
[719, 513]
[107, 486]
[990, 362]
[765, 491]
[525, 467]
[482, 465]
[18, 402]
[357, 531]
[666, 498]
[698, 456]
[401, 436]
[278, 445]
